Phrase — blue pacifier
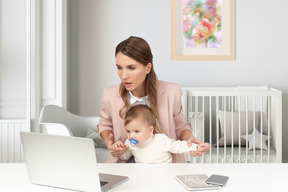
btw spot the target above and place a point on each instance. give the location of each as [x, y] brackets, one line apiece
[133, 142]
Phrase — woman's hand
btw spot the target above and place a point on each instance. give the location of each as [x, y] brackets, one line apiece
[115, 148]
[197, 153]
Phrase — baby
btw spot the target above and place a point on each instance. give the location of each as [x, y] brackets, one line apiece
[146, 141]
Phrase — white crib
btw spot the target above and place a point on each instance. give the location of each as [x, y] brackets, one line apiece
[242, 124]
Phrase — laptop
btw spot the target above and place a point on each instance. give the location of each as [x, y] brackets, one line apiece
[65, 162]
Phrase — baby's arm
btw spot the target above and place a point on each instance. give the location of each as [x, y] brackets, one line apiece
[176, 146]
[127, 154]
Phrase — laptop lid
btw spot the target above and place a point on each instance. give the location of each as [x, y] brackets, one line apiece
[64, 162]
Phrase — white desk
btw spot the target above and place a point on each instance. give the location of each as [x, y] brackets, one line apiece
[161, 177]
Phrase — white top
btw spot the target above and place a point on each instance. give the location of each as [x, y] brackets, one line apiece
[138, 100]
[157, 149]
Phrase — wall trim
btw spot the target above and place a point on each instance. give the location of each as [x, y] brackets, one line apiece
[40, 53]
[57, 50]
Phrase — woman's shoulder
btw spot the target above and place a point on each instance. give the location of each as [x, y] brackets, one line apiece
[112, 89]
[168, 86]
[111, 94]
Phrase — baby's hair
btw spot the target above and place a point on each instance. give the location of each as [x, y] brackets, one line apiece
[144, 112]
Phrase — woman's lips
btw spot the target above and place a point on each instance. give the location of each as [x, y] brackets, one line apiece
[127, 84]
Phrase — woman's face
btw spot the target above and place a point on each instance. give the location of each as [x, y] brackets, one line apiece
[132, 74]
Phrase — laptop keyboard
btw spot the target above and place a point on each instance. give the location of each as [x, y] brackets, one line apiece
[103, 183]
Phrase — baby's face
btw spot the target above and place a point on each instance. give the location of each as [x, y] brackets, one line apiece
[137, 129]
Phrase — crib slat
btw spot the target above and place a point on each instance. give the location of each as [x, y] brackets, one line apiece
[254, 132]
[195, 122]
[239, 129]
[217, 128]
[203, 123]
[193, 126]
[232, 130]
[261, 129]
[246, 104]
[210, 128]
[268, 124]
[225, 127]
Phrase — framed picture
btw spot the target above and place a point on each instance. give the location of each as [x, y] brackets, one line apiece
[202, 29]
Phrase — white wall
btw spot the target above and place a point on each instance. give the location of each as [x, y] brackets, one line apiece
[96, 27]
[12, 42]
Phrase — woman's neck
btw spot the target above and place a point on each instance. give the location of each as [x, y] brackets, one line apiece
[139, 92]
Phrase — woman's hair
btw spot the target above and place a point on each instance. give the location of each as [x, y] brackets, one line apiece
[138, 49]
[145, 113]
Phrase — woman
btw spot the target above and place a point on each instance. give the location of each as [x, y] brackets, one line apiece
[139, 85]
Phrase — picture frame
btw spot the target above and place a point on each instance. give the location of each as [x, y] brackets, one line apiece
[202, 29]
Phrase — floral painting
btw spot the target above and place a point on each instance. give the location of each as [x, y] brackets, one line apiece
[202, 23]
[203, 30]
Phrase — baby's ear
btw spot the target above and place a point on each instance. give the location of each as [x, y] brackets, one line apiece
[151, 129]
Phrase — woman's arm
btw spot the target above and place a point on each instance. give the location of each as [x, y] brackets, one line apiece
[105, 126]
[105, 136]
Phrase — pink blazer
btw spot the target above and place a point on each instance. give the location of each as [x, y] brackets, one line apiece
[171, 118]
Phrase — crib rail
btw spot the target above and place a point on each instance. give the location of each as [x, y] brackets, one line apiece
[242, 126]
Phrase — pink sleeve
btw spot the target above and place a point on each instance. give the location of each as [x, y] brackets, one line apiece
[105, 115]
[179, 118]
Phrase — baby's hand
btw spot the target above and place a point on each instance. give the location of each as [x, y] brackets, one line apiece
[118, 145]
[203, 147]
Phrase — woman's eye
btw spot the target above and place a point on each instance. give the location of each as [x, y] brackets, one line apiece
[137, 131]
[128, 131]
[118, 67]
[131, 67]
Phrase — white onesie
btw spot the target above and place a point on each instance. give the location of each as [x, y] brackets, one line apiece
[157, 149]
